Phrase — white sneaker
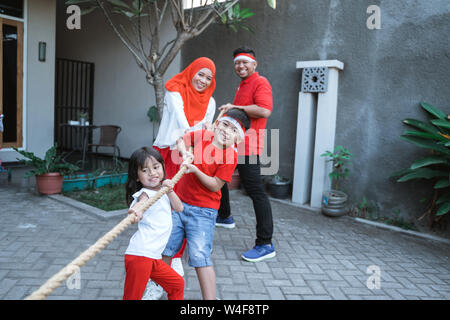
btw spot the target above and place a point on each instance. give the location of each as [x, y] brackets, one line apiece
[177, 266]
[153, 291]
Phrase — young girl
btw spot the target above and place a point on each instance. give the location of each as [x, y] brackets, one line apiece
[146, 176]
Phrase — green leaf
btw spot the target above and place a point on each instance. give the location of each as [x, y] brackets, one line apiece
[243, 26]
[428, 161]
[434, 111]
[423, 173]
[236, 10]
[425, 135]
[401, 173]
[444, 198]
[421, 125]
[426, 144]
[441, 123]
[443, 183]
[119, 3]
[126, 13]
[69, 2]
[153, 114]
[247, 15]
[445, 208]
[88, 10]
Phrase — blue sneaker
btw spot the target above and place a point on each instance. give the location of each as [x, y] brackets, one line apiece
[259, 253]
[225, 223]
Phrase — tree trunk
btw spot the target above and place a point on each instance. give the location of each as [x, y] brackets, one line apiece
[158, 86]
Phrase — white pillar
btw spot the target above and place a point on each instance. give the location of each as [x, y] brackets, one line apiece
[304, 148]
[316, 128]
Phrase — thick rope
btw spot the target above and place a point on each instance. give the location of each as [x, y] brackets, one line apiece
[55, 281]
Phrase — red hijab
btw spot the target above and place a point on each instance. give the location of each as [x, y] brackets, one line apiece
[195, 103]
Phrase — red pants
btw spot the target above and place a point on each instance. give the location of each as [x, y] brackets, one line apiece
[171, 171]
[140, 269]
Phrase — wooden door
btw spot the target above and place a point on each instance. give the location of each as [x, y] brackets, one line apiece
[11, 82]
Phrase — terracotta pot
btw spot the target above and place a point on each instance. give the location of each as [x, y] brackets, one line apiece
[49, 183]
[235, 181]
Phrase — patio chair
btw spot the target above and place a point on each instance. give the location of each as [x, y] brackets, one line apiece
[108, 137]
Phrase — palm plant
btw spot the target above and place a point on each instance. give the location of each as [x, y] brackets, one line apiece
[433, 136]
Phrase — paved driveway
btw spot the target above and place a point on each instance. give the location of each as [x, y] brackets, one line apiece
[317, 257]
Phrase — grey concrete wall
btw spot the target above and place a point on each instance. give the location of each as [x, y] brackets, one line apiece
[121, 94]
[387, 73]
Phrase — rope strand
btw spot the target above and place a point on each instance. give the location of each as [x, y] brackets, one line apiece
[55, 281]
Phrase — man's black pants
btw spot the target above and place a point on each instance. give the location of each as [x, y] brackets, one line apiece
[250, 176]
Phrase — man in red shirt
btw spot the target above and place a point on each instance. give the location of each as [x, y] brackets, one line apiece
[254, 96]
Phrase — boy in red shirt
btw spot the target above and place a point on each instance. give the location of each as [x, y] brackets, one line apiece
[214, 160]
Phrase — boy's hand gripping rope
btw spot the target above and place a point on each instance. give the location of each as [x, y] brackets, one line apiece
[55, 281]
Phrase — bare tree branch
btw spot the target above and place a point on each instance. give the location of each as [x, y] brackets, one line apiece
[135, 55]
[163, 12]
[173, 51]
[203, 28]
[175, 5]
[165, 47]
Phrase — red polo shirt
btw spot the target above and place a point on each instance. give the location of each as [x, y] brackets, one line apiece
[212, 161]
[254, 90]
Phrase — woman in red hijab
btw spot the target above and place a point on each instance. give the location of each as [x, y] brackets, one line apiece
[188, 105]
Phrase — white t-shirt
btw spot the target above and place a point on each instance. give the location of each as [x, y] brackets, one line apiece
[154, 229]
[174, 123]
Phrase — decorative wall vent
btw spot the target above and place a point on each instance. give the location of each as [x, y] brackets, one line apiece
[315, 79]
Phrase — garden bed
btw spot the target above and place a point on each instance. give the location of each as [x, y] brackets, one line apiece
[107, 198]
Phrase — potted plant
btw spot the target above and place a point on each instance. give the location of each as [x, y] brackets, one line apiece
[49, 171]
[83, 118]
[279, 187]
[334, 201]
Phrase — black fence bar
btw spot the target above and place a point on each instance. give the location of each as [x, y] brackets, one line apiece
[74, 93]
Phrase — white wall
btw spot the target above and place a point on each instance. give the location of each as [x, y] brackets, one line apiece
[39, 85]
[121, 94]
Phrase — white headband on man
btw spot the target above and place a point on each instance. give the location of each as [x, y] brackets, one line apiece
[235, 123]
[244, 56]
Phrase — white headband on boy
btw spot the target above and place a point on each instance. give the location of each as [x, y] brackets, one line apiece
[235, 123]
